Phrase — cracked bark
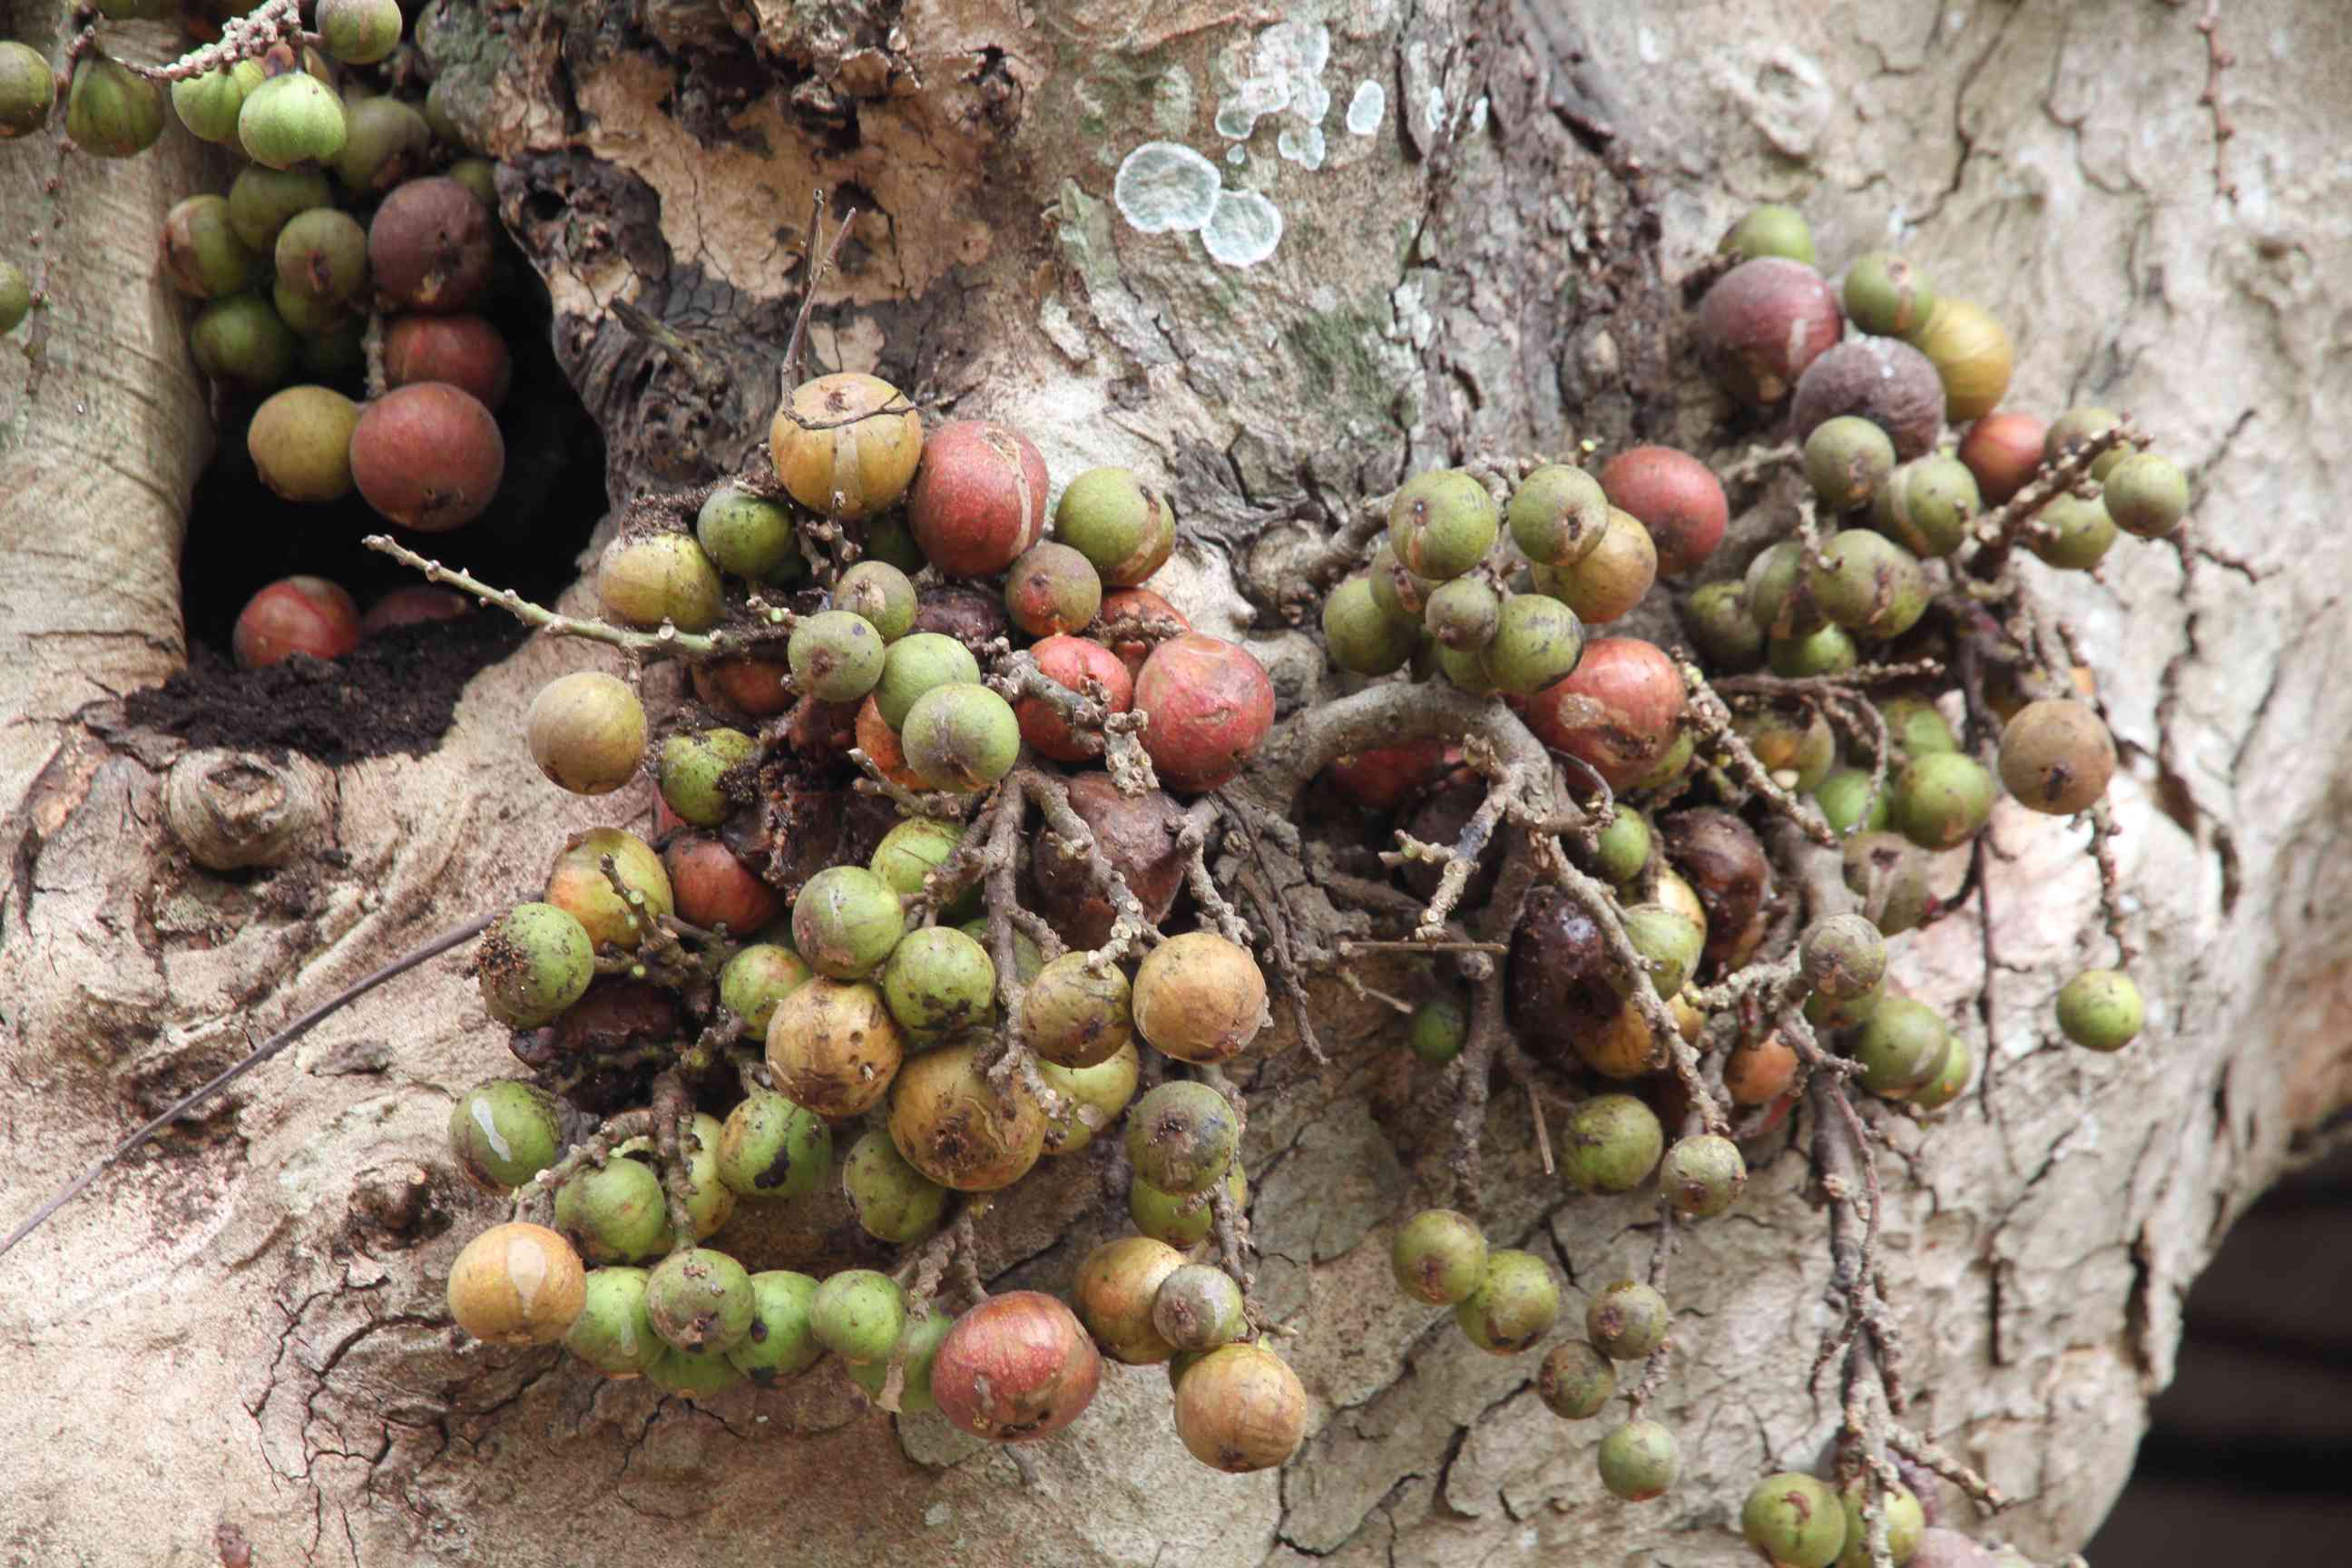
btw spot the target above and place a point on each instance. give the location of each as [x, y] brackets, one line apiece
[1439, 290]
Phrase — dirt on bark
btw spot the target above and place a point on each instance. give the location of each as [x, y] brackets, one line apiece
[392, 696]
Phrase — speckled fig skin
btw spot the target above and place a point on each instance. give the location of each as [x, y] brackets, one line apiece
[1617, 712]
[1017, 1368]
[1077, 1017]
[979, 497]
[954, 1127]
[2056, 756]
[834, 1047]
[836, 452]
[1115, 1286]
[1052, 590]
[1211, 704]
[1199, 997]
[1241, 1408]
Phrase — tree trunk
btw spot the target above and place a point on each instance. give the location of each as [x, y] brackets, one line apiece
[243, 1331]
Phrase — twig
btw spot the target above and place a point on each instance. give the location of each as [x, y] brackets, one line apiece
[1129, 924]
[2007, 524]
[1463, 858]
[262, 1053]
[673, 1125]
[2216, 60]
[594, 1149]
[372, 351]
[1917, 1448]
[819, 265]
[914, 803]
[667, 643]
[1351, 946]
[243, 38]
[1342, 553]
[2103, 851]
[1712, 719]
[1858, 679]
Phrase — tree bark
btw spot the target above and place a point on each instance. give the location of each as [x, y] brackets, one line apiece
[243, 1332]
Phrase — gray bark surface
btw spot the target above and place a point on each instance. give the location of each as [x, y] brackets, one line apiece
[244, 1331]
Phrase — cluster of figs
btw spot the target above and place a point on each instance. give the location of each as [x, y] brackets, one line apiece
[350, 201]
[869, 991]
[873, 993]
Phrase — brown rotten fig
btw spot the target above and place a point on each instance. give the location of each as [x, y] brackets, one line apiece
[1726, 867]
[1883, 379]
[1137, 833]
[1762, 324]
[430, 246]
[979, 499]
[1016, 1368]
[429, 457]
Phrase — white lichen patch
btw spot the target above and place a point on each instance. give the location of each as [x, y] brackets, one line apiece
[1243, 230]
[1280, 72]
[1165, 187]
[1368, 108]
